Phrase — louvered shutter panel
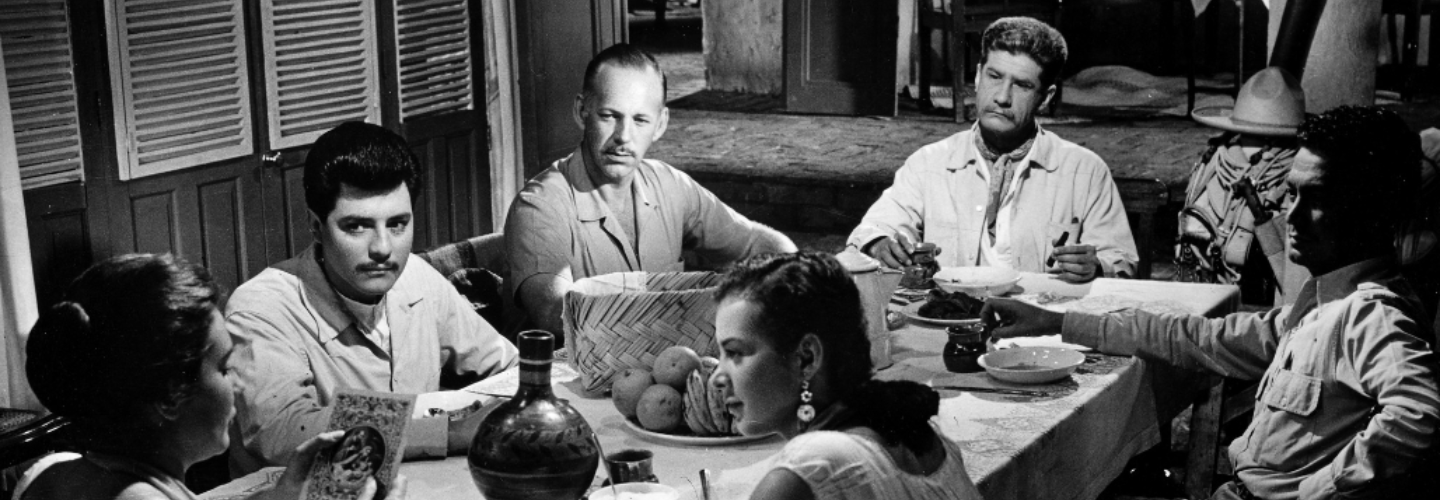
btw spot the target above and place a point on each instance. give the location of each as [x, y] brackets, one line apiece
[39, 74]
[434, 56]
[320, 67]
[178, 72]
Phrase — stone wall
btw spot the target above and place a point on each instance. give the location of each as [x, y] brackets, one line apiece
[744, 46]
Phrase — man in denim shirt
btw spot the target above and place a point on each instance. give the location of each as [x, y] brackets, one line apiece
[1347, 400]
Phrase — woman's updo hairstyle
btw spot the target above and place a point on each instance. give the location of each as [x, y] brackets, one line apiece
[811, 292]
[130, 331]
[806, 292]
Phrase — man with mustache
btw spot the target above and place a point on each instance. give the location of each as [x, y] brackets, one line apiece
[1006, 192]
[1347, 403]
[607, 209]
[355, 309]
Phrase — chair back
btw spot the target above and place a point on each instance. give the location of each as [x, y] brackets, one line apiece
[27, 435]
[1143, 199]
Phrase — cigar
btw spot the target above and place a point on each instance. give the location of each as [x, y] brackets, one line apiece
[1050, 262]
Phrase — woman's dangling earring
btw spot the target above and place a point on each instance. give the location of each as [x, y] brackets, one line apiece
[806, 413]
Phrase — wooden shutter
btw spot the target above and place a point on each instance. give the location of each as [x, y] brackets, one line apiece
[320, 67]
[434, 56]
[40, 78]
[180, 84]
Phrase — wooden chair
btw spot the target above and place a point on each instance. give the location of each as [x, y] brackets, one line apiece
[1406, 53]
[1144, 200]
[1226, 400]
[958, 21]
[477, 267]
[27, 435]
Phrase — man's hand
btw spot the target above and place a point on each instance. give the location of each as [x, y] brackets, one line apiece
[292, 482]
[890, 251]
[463, 424]
[1006, 318]
[1075, 263]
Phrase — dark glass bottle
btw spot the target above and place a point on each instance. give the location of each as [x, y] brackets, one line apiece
[535, 446]
[963, 350]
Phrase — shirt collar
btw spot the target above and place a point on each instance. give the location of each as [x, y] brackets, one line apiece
[589, 206]
[1340, 283]
[325, 301]
[967, 155]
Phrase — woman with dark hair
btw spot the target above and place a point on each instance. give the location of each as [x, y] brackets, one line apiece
[792, 336]
[137, 357]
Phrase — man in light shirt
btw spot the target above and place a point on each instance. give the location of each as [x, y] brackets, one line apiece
[1347, 403]
[354, 310]
[607, 209]
[1006, 192]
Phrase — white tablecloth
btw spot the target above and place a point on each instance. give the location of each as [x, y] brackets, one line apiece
[1068, 444]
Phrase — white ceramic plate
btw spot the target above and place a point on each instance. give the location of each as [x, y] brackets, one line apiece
[912, 312]
[690, 440]
[977, 281]
[1031, 365]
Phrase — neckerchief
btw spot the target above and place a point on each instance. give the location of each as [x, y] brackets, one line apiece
[1002, 171]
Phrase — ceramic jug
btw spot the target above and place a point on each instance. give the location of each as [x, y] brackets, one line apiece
[876, 284]
[535, 446]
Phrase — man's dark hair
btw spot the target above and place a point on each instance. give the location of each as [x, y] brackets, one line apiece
[1373, 153]
[131, 330]
[622, 55]
[1031, 37]
[363, 155]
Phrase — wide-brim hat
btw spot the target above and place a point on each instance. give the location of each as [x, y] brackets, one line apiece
[1270, 104]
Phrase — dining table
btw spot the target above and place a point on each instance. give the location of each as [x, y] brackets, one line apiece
[1061, 440]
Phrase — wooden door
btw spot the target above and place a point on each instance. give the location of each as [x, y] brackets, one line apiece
[840, 56]
[555, 40]
[437, 67]
[169, 144]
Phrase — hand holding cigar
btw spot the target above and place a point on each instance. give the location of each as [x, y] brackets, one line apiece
[1075, 263]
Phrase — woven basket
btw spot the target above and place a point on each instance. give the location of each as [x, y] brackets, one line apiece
[623, 320]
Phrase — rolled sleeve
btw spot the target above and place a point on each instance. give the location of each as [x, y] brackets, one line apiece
[900, 209]
[538, 240]
[277, 406]
[1106, 226]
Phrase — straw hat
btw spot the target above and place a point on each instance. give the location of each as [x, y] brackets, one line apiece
[1271, 104]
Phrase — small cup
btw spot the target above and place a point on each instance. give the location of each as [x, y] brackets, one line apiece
[631, 466]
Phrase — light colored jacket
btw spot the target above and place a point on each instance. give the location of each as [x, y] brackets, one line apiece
[940, 195]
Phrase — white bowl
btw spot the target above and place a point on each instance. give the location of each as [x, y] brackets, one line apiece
[977, 281]
[635, 491]
[1031, 365]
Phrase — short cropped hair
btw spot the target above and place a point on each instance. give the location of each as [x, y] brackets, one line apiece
[1031, 37]
[363, 155]
[1373, 152]
[131, 331]
[622, 55]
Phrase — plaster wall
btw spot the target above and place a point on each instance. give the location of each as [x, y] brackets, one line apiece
[1343, 56]
[743, 44]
